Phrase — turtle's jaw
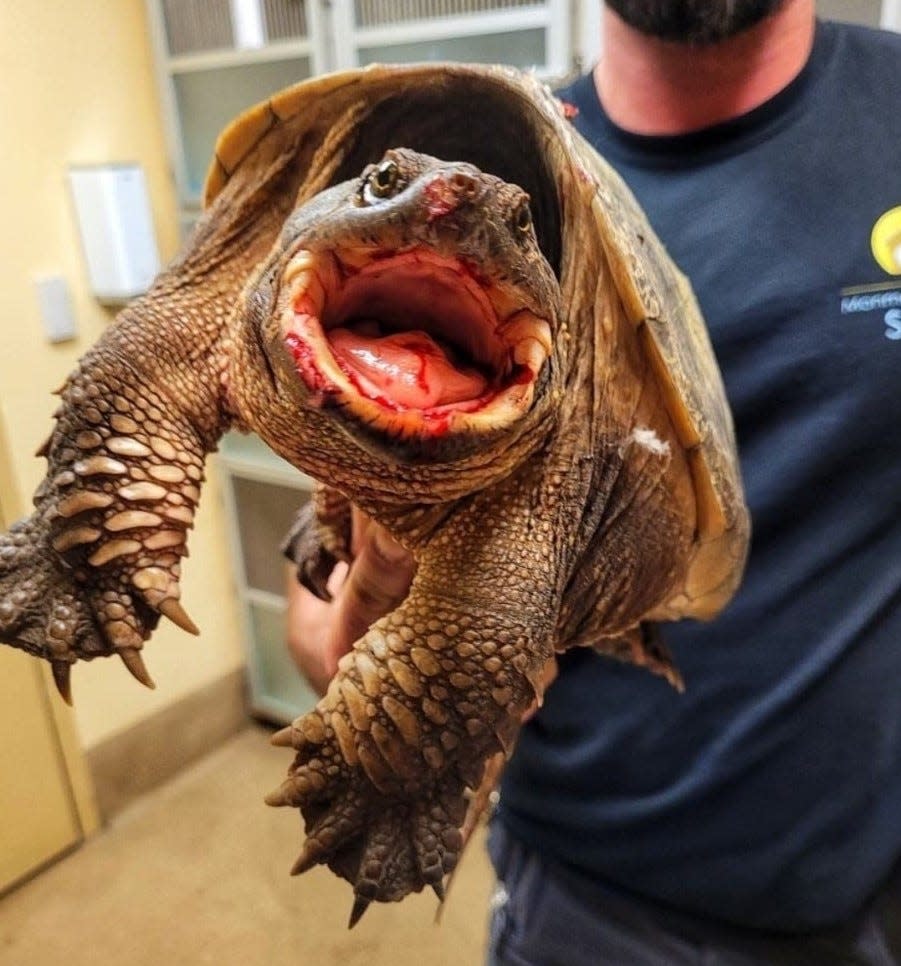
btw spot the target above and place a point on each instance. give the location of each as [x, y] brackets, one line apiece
[411, 344]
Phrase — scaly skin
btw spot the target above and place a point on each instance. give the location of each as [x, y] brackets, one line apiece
[427, 696]
[90, 571]
[438, 687]
[560, 511]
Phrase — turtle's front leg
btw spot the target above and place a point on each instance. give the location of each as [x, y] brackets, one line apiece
[425, 699]
[97, 563]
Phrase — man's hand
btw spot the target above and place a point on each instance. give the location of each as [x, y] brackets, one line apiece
[320, 633]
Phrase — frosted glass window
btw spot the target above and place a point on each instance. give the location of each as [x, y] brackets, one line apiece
[285, 19]
[851, 11]
[369, 13]
[265, 513]
[209, 99]
[519, 48]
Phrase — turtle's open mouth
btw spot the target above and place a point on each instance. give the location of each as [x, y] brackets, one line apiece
[413, 341]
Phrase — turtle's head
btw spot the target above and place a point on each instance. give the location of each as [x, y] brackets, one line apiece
[414, 305]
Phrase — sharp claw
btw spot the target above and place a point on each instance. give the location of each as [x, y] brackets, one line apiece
[361, 904]
[283, 738]
[676, 680]
[309, 857]
[132, 659]
[438, 889]
[283, 795]
[44, 448]
[172, 609]
[61, 677]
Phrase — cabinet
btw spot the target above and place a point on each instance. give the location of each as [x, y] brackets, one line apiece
[263, 494]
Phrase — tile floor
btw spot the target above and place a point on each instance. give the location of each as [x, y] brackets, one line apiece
[197, 872]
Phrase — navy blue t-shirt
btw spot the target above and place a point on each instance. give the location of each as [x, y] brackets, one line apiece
[769, 794]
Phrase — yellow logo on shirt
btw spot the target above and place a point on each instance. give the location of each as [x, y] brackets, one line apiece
[885, 241]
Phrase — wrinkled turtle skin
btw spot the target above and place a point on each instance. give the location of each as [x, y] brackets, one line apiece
[490, 354]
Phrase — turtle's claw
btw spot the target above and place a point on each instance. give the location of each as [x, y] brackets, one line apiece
[385, 842]
[173, 609]
[62, 672]
[361, 904]
[131, 658]
[52, 611]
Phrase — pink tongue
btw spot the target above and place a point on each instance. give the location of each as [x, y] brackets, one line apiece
[409, 368]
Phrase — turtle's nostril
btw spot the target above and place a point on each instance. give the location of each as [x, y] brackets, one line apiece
[464, 184]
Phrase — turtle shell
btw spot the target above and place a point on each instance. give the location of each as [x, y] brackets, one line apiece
[587, 221]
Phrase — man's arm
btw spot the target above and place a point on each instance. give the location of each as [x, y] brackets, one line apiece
[320, 632]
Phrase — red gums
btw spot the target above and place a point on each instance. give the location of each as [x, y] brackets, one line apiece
[306, 365]
[303, 305]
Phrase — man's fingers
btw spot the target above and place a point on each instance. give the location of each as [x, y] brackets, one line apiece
[308, 622]
[376, 583]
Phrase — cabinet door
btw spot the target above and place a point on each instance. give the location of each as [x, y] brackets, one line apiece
[263, 494]
[40, 819]
[40, 816]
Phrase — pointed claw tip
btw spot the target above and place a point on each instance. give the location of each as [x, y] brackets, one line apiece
[361, 904]
[676, 680]
[62, 680]
[439, 890]
[281, 796]
[172, 609]
[282, 739]
[132, 659]
[305, 861]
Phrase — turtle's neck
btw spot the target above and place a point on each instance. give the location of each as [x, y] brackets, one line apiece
[651, 86]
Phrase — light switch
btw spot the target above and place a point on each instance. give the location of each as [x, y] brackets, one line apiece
[55, 306]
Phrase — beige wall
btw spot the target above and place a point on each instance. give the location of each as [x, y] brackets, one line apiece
[78, 86]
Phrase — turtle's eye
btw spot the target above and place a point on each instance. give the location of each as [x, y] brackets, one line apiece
[522, 218]
[383, 181]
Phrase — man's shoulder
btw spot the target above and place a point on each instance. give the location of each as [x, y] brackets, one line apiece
[860, 33]
[866, 69]
[857, 41]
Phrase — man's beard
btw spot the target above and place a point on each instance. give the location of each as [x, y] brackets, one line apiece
[693, 21]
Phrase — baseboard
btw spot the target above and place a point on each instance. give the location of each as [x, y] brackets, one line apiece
[142, 757]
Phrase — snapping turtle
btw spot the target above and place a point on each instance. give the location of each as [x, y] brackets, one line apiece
[420, 285]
